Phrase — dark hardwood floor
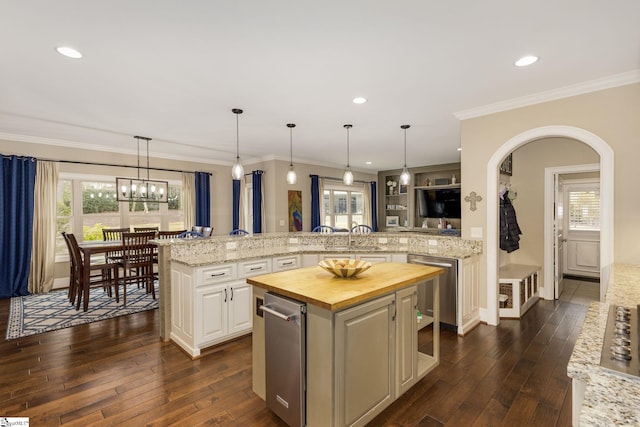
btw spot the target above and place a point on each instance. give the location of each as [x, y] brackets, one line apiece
[118, 372]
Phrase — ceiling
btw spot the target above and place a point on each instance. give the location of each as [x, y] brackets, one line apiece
[173, 70]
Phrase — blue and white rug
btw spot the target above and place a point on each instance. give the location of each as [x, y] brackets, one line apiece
[35, 314]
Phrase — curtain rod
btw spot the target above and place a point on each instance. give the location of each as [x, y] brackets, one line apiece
[340, 179]
[118, 166]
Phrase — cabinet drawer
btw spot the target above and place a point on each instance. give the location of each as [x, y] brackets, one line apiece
[253, 268]
[286, 263]
[218, 274]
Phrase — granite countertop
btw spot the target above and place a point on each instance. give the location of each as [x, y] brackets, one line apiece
[224, 249]
[316, 286]
[610, 399]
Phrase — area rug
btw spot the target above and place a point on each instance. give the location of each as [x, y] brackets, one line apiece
[35, 314]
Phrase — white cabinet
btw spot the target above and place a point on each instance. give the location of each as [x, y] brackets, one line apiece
[468, 294]
[283, 263]
[212, 304]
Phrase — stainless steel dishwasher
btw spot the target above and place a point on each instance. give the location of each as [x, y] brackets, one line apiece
[285, 357]
[448, 289]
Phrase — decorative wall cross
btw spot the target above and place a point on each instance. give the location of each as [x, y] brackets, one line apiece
[473, 198]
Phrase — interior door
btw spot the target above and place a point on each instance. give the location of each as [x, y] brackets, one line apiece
[582, 239]
[559, 239]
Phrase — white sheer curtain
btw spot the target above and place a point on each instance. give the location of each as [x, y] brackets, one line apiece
[366, 204]
[262, 209]
[43, 252]
[189, 200]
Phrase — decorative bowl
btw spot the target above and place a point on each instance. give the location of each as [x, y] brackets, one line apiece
[345, 268]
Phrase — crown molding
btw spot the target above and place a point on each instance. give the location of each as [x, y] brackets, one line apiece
[30, 139]
[616, 80]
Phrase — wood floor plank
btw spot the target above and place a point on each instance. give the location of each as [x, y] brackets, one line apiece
[118, 372]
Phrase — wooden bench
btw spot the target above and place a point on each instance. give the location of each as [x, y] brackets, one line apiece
[519, 283]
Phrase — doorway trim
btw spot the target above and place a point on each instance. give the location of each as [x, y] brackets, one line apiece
[492, 218]
[548, 292]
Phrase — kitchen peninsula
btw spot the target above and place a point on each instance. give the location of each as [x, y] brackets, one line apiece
[361, 338]
[196, 274]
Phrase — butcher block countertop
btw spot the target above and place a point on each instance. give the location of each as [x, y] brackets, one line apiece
[318, 287]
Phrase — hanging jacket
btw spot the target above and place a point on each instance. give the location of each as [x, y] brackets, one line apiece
[509, 230]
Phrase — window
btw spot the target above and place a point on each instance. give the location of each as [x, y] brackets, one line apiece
[343, 206]
[584, 207]
[87, 205]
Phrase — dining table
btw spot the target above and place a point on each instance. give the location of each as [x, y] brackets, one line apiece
[88, 249]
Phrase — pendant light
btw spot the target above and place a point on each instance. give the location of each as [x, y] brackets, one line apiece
[141, 189]
[237, 171]
[405, 176]
[291, 174]
[347, 178]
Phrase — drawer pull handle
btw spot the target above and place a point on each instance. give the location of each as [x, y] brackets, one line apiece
[256, 268]
[287, 263]
[218, 274]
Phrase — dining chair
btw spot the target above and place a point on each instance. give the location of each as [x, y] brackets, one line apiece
[145, 229]
[361, 229]
[170, 234]
[137, 261]
[238, 232]
[324, 229]
[106, 277]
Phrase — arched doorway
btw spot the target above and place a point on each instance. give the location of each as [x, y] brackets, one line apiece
[606, 187]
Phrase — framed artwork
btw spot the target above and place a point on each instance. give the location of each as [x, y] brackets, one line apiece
[295, 210]
[403, 189]
[393, 221]
[506, 167]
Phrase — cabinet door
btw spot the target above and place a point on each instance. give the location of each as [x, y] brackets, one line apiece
[239, 306]
[470, 289]
[406, 339]
[211, 314]
[182, 304]
[365, 360]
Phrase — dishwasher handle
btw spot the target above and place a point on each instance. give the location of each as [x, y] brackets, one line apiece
[286, 317]
[432, 263]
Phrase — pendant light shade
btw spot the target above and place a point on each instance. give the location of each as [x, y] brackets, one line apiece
[405, 176]
[347, 178]
[237, 171]
[291, 174]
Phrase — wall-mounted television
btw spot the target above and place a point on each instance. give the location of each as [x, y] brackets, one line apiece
[440, 203]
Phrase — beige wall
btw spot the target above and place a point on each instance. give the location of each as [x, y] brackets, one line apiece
[610, 114]
[276, 188]
[529, 162]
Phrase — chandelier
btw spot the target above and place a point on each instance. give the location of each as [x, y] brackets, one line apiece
[141, 189]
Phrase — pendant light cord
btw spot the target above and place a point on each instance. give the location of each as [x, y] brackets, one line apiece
[291, 145]
[237, 137]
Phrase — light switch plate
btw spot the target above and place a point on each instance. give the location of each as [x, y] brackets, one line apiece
[433, 242]
[382, 240]
[476, 232]
[293, 241]
[403, 240]
[231, 246]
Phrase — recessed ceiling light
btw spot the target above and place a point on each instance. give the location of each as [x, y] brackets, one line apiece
[69, 52]
[526, 60]
[359, 100]
[367, 163]
[459, 148]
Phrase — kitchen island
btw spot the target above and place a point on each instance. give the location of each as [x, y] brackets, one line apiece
[361, 338]
[601, 397]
